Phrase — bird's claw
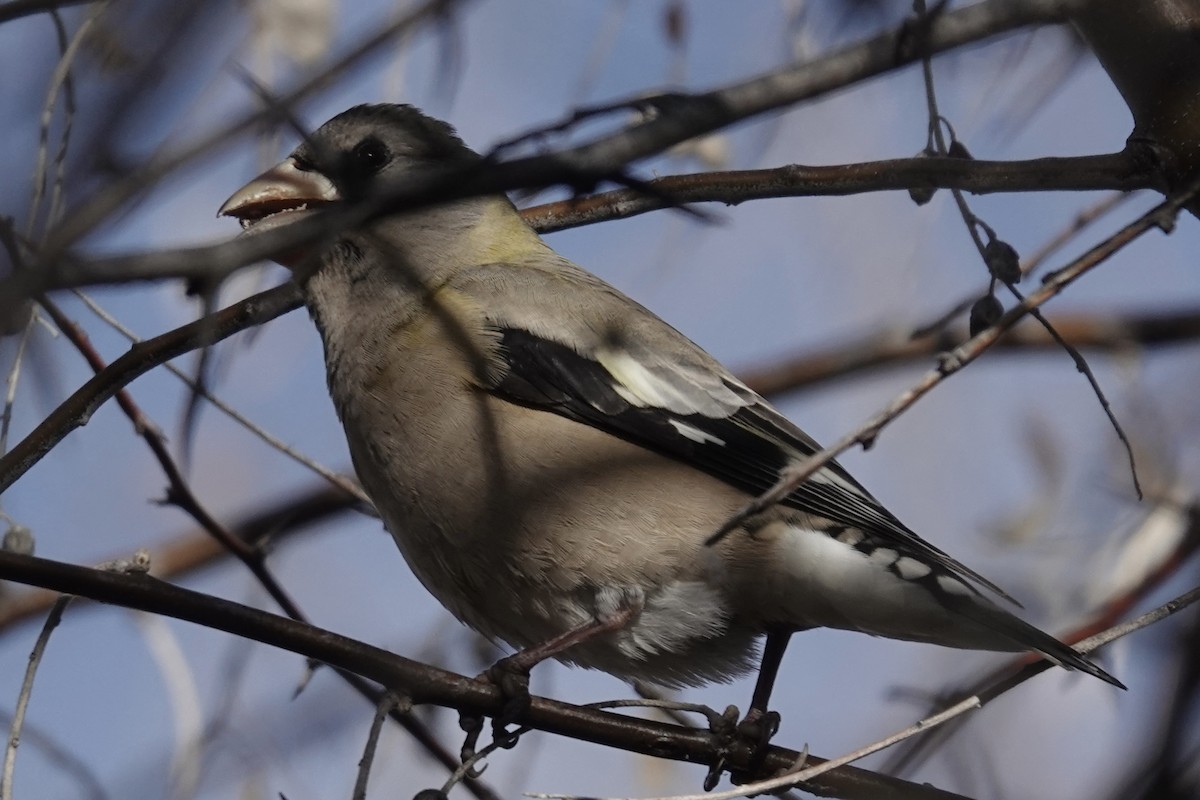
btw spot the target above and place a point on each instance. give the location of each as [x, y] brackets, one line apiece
[473, 726]
[758, 728]
[512, 679]
[755, 731]
[724, 730]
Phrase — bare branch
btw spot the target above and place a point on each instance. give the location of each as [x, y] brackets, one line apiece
[15, 9]
[1122, 171]
[1109, 331]
[426, 684]
[1107, 617]
[18, 719]
[194, 549]
[1148, 48]
[1161, 216]
[86, 217]
[678, 117]
[344, 482]
[794, 778]
[76, 410]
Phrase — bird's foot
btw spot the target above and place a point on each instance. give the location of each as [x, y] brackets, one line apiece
[758, 727]
[511, 677]
[755, 731]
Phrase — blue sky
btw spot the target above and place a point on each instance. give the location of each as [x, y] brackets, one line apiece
[770, 278]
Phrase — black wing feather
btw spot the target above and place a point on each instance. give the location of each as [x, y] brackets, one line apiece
[757, 442]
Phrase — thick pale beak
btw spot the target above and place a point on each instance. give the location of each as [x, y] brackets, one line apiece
[280, 195]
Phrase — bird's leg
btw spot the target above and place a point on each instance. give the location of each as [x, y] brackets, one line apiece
[530, 657]
[759, 724]
[511, 674]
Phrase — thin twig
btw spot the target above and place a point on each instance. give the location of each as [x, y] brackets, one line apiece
[966, 705]
[117, 194]
[186, 552]
[253, 558]
[1161, 216]
[183, 697]
[595, 160]
[179, 492]
[15, 9]
[342, 482]
[1083, 367]
[10, 384]
[797, 777]
[1105, 618]
[62, 757]
[18, 720]
[387, 703]
[77, 409]
[136, 564]
[60, 160]
[215, 262]
[1078, 173]
[1114, 332]
[1080, 222]
[973, 223]
[60, 80]
[1032, 262]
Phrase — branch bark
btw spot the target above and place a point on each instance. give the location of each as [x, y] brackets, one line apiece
[1123, 171]
[421, 683]
[677, 118]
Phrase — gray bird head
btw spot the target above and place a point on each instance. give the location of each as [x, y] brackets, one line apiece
[352, 157]
[366, 146]
[382, 262]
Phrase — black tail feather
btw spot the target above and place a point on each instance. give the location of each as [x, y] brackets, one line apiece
[1027, 637]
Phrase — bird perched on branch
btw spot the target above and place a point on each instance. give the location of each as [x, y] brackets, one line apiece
[551, 457]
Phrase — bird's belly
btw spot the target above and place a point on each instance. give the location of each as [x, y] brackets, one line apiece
[523, 537]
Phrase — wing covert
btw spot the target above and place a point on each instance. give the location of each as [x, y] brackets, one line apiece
[707, 419]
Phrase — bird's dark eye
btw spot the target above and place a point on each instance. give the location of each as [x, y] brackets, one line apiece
[302, 163]
[371, 154]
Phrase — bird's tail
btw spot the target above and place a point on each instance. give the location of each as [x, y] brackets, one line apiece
[1026, 637]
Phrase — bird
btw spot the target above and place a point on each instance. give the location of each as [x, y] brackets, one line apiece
[550, 456]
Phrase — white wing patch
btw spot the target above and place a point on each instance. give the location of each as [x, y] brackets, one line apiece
[911, 569]
[635, 384]
[680, 388]
[952, 585]
[695, 434]
[883, 556]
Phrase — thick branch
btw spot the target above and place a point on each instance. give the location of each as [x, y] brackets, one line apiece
[425, 684]
[677, 117]
[1122, 171]
[24, 8]
[685, 116]
[1149, 50]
